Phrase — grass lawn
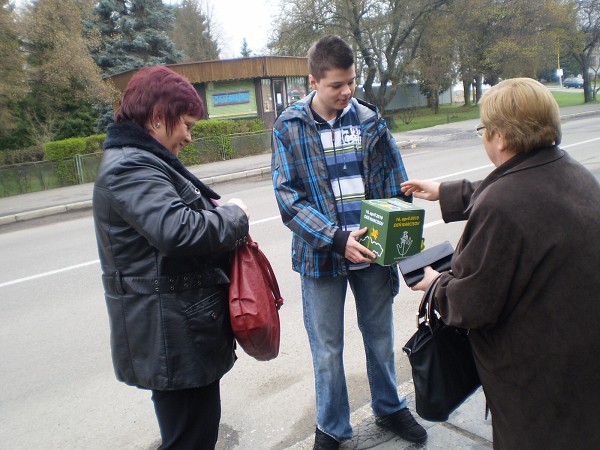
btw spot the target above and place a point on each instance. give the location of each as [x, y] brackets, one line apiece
[568, 98]
[423, 117]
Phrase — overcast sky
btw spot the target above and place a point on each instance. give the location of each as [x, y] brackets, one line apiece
[239, 19]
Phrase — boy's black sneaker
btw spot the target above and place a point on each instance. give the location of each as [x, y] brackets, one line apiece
[325, 442]
[404, 425]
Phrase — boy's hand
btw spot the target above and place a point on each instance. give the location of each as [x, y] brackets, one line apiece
[355, 251]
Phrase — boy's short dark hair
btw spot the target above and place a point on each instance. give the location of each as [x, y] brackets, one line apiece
[329, 52]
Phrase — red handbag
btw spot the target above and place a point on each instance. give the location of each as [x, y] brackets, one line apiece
[254, 302]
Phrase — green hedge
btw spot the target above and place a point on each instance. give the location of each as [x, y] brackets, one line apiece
[63, 152]
[67, 148]
[94, 143]
[204, 129]
[216, 128]
[212, 139]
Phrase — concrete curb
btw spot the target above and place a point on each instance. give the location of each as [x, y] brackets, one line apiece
[580, 114]
[412, 143]
[44, 212]
[257, 172]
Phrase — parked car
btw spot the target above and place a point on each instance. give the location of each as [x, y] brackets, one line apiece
[573, 82]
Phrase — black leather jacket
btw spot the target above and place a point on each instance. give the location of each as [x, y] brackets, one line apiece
[165, 250]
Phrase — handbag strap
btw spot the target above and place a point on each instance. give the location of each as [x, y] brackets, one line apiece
[267, 271]
[425, 307]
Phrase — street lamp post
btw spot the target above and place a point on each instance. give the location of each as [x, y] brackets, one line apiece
[559, 71]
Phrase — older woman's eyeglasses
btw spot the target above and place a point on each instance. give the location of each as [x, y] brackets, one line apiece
[479, 130]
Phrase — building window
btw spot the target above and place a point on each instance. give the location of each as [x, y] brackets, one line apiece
[267, 96]
[296, 89]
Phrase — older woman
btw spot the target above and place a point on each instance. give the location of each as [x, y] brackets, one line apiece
[524, 277]
[165, 248]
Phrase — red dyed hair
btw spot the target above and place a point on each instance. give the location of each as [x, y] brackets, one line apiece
[156, 92]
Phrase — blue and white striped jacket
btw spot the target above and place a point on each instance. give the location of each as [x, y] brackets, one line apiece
[303, 190]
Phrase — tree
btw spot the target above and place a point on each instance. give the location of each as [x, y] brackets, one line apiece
[132, 34]
[595, 68]
[12, 75]
[296, 27]
[129, 34]
[246, 52]
[58, 53]
[526, 39]
[434, 62]
[503, 39]
[193, 32]
[586, 41]
[384, 35]
[64, 79]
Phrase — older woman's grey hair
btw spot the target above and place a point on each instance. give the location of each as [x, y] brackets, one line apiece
[524, 111]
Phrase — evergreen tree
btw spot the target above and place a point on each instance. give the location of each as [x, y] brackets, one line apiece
[246, 51]
[129, 34]
[193, 32]
[105, 29]
[133, 34]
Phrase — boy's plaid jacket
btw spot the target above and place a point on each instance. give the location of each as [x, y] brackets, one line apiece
[302, 183]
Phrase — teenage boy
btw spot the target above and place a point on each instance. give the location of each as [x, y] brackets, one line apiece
[330, 151]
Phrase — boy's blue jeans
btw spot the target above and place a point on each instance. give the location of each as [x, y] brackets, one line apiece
[323, 304]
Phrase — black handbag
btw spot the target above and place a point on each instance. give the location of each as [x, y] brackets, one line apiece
[443, 369]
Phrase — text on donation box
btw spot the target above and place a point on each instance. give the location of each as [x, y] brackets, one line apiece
[395, 229]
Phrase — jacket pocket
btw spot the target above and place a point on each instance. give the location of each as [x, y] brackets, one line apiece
[208, 323]
[137, 340]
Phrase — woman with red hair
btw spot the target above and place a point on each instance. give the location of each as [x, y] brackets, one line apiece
[165, 248]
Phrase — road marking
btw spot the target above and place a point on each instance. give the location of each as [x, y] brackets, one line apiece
[452, 175]
[434, 223]
[52, 272]
[268, 219]
[580, 143]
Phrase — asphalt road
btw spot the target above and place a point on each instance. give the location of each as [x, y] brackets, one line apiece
[59, 389]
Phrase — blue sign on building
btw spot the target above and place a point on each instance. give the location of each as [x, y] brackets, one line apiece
[231, 98]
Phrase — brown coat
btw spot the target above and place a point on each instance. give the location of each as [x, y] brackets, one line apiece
[526, 279]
